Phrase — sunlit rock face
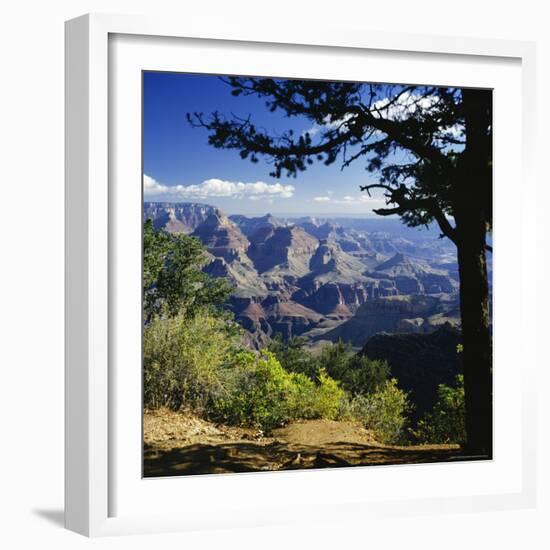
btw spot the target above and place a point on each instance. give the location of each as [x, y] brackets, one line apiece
[177, 217]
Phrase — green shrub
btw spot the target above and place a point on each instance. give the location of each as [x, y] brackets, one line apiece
[446, 422]
[293, 356]
[384, 412]
[329, 397]
[335, 359]
[198, 363]
[321, 399]
[357, 373]
[182, 358]
[255, 391]
[364, 375]
[258, 391]
[303, 397]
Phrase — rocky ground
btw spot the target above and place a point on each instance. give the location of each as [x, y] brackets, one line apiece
[182, 444]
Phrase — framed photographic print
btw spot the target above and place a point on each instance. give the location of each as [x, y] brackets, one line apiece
[292, 276]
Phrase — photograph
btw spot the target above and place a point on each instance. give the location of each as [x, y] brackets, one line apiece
[275, 277]
[316, 273]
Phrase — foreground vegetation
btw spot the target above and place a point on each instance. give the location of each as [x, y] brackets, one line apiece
[194, 359]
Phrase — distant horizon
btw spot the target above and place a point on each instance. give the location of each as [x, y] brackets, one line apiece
[394, 223]
[275, 213]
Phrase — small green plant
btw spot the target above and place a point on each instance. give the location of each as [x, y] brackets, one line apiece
[446, 422]
[384, 412]
[329, 397]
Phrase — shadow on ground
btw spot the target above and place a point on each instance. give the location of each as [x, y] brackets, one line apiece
[56, 517]
[254, 457]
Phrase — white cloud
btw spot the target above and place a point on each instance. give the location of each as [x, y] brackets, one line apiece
[406, 106]
[329, 124]
[321, 199]
[152, 187]
[218, 188]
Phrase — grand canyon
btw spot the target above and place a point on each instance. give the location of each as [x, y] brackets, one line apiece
[324, 279]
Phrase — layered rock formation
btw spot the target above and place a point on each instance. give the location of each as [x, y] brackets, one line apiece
[222, 238]
[249, 225]
[177, 217]
[414, 276]
[282, 250]
[416, 313]
[318, 278]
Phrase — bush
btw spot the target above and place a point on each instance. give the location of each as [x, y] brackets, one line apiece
[357, 373]
[182, 358]
[330, 397]
[303, 399]
[293, 356]
[335, 359]
[198, 363]
[321, 399]
[446, 422]
[255, 391]
[384, 412]
[258, 391]
[364, 375]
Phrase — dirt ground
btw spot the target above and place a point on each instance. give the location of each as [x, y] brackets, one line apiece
[181, 444]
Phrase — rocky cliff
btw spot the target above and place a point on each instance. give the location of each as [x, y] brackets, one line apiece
[283, 250]
[318, 278]
[415, 313]
[177, 217]
[414, 276]
[222, 238]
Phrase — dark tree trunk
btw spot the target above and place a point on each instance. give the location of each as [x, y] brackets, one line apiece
[476, 338]
[473, 204]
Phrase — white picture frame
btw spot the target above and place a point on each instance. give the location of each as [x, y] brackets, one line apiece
[98, 498]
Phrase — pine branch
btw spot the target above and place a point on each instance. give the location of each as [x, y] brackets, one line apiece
[398, 196]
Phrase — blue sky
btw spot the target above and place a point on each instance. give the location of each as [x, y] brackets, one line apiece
[179, 165]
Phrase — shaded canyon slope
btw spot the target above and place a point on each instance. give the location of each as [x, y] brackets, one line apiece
[419, 361]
